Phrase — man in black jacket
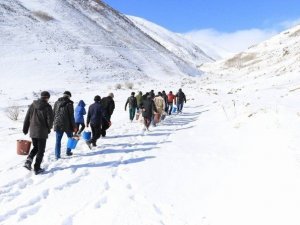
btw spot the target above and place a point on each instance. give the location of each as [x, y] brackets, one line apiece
[64, 121]
[39, 120]
[132, 101]
[148, 107]
[165, 97]
[108, 107]
[94, 118]
[180, 100]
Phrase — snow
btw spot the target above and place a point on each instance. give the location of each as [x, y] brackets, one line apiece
[231, 158]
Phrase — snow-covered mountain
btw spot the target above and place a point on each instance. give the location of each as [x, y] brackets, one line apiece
[174, 42]
[83, 40]
[277, 56]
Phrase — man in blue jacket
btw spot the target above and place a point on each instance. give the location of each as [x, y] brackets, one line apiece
[94, 118]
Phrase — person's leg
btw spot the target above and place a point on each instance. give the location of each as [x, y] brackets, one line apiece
[133, 110]
[170, 108]
[34, 150]
[59, 135]
[40, 154]
[97, 135]
[130, 114]
[70, 135]
[82, 128]
[93, 134]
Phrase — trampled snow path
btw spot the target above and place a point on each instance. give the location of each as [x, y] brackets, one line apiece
[99, 176]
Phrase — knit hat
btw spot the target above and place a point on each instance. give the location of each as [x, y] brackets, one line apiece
[45, 94]
[111, 95]
[67, 94]
[97, 98]
[132, 93]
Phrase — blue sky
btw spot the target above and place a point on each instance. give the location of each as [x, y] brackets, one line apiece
[224, 16]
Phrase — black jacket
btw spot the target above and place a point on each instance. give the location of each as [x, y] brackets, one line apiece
[95, 114]
[39, 119]
[132, 101]
[108, 107]
[64, 115]
[180, 97]
[148, 107]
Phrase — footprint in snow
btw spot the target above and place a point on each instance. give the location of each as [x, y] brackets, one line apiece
[101, 202]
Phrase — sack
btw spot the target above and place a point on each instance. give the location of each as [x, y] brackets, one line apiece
[23, 147]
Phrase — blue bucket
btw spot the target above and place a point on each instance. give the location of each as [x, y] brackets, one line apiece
[86, 135]
[174, 110]
[72, 142]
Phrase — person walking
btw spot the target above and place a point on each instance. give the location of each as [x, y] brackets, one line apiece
[132, 106]
[39, 120]
[64, 122]
[94, 118]
[148, 107]
[181, 98]
[79, 116]
[139, 99]
[108, 107]
[171, 101]
[165, 97]
[160, 107]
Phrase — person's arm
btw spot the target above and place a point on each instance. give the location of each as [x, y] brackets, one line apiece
[26, 123]
[88, 120]
[154, 107]
[71, 116]
[83, 111]
[49, 118]
[126, 103]
[184, 98]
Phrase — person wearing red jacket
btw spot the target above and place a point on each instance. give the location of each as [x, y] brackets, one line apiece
[171, 101]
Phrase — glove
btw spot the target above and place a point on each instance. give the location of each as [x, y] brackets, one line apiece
[25, 132]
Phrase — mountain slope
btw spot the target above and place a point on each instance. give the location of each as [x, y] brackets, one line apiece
[277, 56]
[174, 42]
[83, 40]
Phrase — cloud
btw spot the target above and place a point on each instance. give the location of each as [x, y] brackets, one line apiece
[225, 43]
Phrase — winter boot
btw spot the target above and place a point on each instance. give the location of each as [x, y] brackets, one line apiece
[89, 144]
[28, 164]
[69, 153]
[38, 171]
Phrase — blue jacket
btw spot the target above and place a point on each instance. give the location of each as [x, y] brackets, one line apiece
[80, 112]
[95, 114]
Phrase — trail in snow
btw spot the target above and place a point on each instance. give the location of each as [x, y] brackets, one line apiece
[98, 172]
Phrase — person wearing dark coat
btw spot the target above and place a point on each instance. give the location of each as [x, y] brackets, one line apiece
[180, 100]
[165, 97]
[38, 121]
[64, 121]
[152, 93]
[132, 101]
[108, 107]
[79, 116]
[148, 107]
[94, 118]
[139, 99]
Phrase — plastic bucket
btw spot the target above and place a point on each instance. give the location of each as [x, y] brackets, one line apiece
[86, 135]
[72, 143]
[23, 147]
[174, 110]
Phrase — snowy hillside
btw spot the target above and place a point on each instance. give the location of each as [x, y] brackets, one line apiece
[174, 42]
[277, 56]
[82, 40]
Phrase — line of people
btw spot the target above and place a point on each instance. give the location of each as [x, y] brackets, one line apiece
[153, 108]
[41, 118]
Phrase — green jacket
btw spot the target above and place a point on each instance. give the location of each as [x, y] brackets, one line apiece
[139, 99]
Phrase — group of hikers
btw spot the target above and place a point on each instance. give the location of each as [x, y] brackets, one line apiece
[63, 118]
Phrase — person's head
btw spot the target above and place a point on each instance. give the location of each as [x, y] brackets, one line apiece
[132, 93]
[152, 91]
[180, 90]
[163, 92]
[159, 94]
[45, 95]
[111, 95]
[81, 103]
[141, 93]
[97, 98]
[171, 92]
[67, 94]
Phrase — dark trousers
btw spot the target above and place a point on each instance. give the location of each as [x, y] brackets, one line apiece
[81, 129]
[132, 113]
[179, 106]
[170, 106]
[96, 133]
[39, 146]
[147, 122]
